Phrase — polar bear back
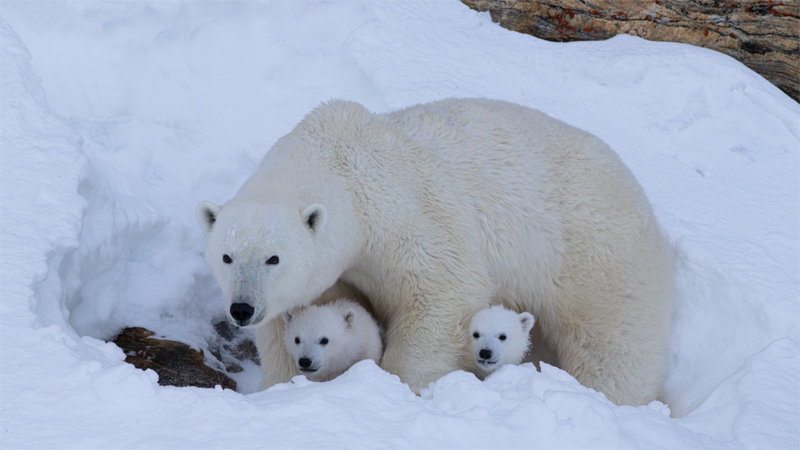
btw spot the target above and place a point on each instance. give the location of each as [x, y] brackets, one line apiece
[525, 194]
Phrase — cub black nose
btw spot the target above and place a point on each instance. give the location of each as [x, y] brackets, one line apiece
[241, 312]
[485, 353]
[305, 363]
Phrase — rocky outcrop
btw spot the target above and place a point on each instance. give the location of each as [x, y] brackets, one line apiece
[764, 35]
[177, 364]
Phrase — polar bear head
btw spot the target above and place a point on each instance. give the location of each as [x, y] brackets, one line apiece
[323, 340]
[267, 258]
[499, 336]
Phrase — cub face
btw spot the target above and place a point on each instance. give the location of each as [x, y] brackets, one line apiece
[263, 256]
[499, 336]
[320, 340]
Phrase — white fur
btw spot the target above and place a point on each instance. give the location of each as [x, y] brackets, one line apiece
[499, 336]
[277, 365]
[437, 210]
[324, 341]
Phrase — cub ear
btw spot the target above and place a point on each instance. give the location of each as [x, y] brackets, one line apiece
[206, 215]
[287, 317]
[527, 321]
[348, 317]
[315, 216]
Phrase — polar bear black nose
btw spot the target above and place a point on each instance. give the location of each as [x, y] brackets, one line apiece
[305, 363]
[485, 353]
[241, 312]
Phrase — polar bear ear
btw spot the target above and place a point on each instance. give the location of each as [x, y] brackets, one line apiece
[315, 216]
[527, 321]
[349, 314]
[206, 215]
[287, 317]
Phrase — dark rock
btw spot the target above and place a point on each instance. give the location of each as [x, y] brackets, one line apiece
[225, 330]
[233, 347]
[176, 363]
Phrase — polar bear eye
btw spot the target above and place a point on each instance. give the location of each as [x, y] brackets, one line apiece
[227, 259]
[476, 335]
[297, 340]
[273, 260]
[502, 337]
[323, 341]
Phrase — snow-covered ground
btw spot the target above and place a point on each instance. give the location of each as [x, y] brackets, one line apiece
[117, 118]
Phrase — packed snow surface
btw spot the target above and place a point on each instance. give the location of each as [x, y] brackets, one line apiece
[117, 118]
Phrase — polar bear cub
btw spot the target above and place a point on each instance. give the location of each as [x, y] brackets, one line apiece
[499, 336]
[324, 341]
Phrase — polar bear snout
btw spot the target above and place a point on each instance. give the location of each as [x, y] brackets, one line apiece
[242, 313]
[305, 365]
[487, 359]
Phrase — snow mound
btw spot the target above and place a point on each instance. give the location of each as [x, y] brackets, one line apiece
[118, 118]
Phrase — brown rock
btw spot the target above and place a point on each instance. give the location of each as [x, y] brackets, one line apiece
[176, 363]
[763, 35]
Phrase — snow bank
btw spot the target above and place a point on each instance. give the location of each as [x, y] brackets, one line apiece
[118, 118]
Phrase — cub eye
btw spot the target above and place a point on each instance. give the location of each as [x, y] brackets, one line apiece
[273, 260]
[476, 335]
[502, 337]
[323, 341]
[227, 259]
[297, 340]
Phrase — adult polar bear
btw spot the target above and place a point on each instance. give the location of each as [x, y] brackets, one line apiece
[434, 211]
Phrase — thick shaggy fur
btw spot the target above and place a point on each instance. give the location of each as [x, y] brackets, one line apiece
[436, 210]
[324, 341]
[499, 336]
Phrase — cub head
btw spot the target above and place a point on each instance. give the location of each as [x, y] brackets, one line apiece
[320, 340]
[499, 336]
[266, 258]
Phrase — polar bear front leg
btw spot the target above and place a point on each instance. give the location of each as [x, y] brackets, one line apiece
[419, 350]
[426, 337]
[277, 365]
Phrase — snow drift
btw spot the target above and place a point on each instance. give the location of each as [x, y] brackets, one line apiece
[118, 118]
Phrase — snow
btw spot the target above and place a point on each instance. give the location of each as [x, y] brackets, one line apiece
[117, 118]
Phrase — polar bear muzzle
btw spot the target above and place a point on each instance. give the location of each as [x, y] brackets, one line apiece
[241, 313]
